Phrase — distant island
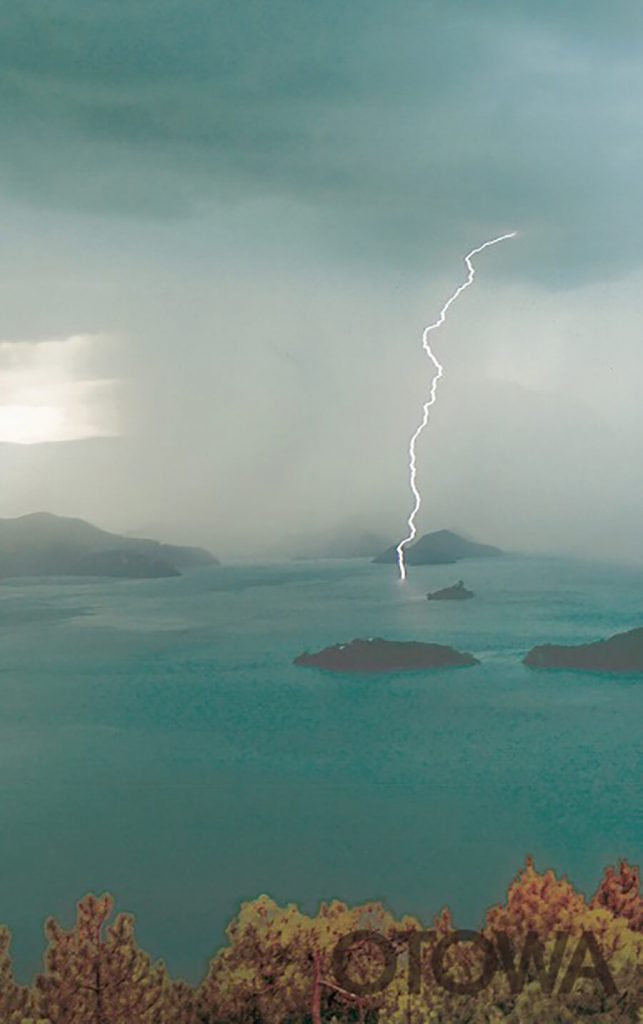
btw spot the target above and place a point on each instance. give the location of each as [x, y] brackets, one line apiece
[442, 547]
[457, 592]
[377, 655]
[42, 544]
[620, 654]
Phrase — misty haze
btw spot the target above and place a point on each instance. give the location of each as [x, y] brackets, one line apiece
[282, 412]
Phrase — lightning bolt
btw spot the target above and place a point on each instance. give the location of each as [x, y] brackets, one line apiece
[439, 372]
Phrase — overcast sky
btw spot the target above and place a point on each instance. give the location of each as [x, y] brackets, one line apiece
[225, 224]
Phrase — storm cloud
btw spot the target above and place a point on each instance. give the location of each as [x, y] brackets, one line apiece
[263, 204]
[404, 123]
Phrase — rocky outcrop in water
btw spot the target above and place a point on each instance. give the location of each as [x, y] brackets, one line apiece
[457, 592]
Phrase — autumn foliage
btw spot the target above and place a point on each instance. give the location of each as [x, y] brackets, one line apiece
[546, 954]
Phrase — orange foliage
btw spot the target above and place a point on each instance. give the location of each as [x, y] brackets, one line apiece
[532, 963]
[619, 892]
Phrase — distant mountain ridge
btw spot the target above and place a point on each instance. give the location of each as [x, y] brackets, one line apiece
[339, 543]
[43, 544]
[442, 547]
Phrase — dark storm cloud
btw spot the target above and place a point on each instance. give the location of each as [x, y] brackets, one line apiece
[399, 123]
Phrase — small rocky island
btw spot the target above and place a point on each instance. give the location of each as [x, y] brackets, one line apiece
[442, 547]
[620, 654]
[457, 592]
[377, 655]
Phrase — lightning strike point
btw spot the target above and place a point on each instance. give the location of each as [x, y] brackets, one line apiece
[439, 372]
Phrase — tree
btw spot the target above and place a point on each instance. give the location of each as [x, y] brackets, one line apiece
[179, 1004]
[620, 893]
[586, 955]
[363, 963]
[278, 965]
[15, 1001]
[261, 975]
[96, 974]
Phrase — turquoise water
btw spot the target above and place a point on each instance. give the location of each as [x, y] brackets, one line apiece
[156, 741]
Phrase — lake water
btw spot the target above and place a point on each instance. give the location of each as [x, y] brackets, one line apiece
[156, 741]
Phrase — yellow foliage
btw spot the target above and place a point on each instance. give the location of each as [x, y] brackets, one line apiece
[544, 956]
